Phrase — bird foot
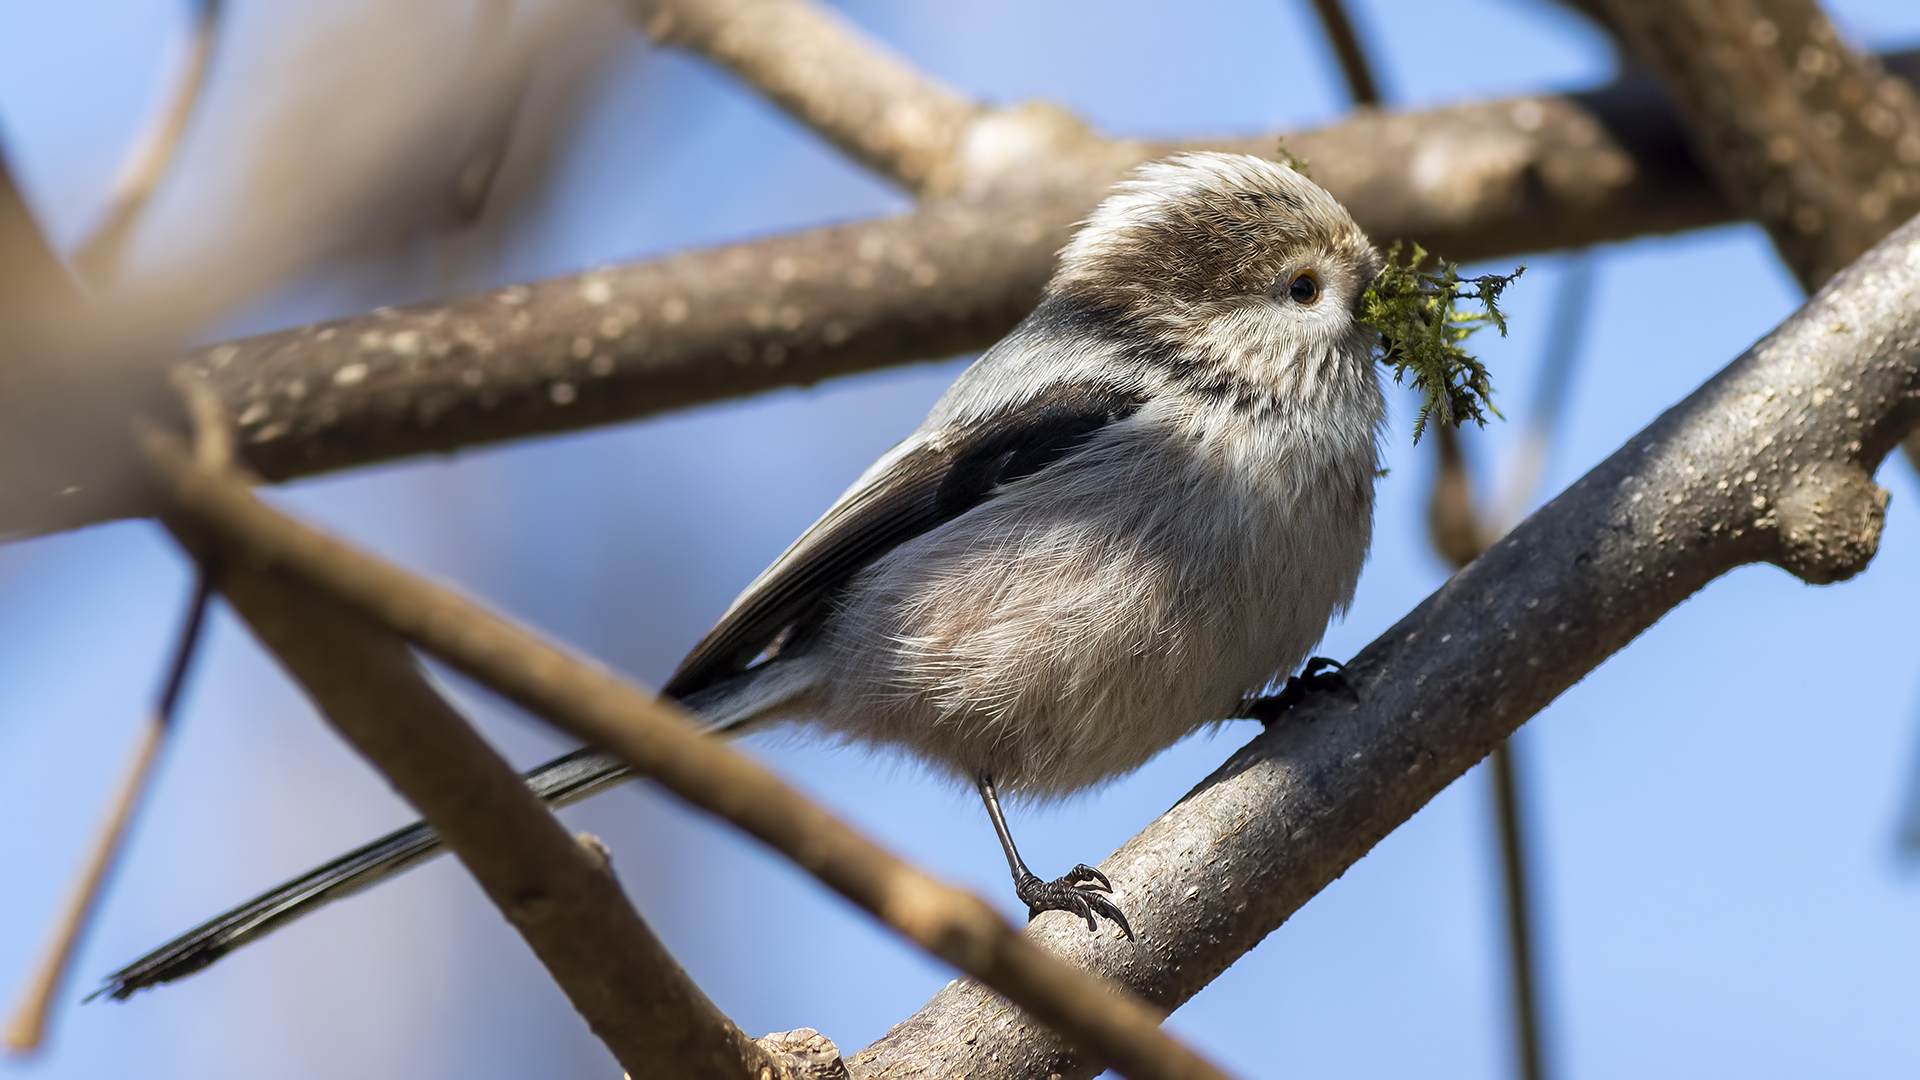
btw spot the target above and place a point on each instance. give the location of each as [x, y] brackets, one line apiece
[1079, 892]
[1319, 675]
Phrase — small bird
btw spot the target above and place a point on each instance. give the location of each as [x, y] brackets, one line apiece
[1123, 523]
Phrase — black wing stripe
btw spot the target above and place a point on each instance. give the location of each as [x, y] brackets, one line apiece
[829, 554]
[921, 491]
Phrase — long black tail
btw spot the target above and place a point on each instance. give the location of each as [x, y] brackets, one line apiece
[560, 782]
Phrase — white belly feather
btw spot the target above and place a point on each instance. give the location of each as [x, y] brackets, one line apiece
[1107, 606]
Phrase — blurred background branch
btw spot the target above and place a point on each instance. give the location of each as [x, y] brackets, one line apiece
[26, 1030]
[999, 188]
[1816, 142]
[99, 256]
[622, 343]
[655, 737]
[558, 892]
[35, 291]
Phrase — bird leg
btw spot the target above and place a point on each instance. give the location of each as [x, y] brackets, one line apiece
[1078, 892]
[1319, 674]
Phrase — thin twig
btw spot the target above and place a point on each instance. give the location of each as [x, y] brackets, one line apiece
[1460, 534]
[1523, 957]
[1565, 330]
[658, 740]
[26, 1031]
[868, 102]
[1361, 85]
[100, 255]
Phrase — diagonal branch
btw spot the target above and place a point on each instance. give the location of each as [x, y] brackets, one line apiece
[559, 894]
[100, 255]
[1472, 181]
[656, 739]
[617, 344]
[806, 59]
[1772, 460]
[1812, 139]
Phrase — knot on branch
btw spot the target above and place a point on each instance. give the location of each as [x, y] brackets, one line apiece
[597, 851]
[801, 1054]
[1828, 522]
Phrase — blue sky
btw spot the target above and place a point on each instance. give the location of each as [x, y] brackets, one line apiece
[1714, 809]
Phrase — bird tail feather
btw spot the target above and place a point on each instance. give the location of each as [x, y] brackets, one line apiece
[728, 707]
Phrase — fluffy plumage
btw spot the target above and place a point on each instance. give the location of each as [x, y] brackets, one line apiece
[1211, 512]
[1140, 507]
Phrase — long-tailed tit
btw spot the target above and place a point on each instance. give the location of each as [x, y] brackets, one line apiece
[1136, 511]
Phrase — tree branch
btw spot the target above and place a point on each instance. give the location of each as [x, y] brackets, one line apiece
[850, 89]
[99, 256]
[611, 345]
[1772, 460]
[658, 741]
[1813, 140]
[1362, 87]
[559, 894]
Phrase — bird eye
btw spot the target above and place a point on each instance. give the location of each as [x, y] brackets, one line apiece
[1305, 288]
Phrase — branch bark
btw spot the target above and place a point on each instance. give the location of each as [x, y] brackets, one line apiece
[608, 345]
[622, 343]
[617, 344]
[559, 894]
[1815, 141]
[1772, 460]
[658, 741]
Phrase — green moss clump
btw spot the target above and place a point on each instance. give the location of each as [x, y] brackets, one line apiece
[1422, 328]
[1292, 160]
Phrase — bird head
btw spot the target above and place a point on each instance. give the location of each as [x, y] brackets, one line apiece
[1225, 255]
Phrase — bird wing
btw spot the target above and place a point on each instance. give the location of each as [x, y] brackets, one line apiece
[920, 485]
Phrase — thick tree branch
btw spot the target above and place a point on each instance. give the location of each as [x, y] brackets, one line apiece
[1772, 460]
[658, 741]
[610, 345]
[559, 894]
[1813, 140]
[1474, 181]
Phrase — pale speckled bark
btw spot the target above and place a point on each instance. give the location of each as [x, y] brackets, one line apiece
[610, 345]
[1771, 460]
[1803, 134]
[1474, 182]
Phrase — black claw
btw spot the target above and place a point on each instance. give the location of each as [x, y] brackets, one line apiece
[1074, 893]
[1320, 675]
[1110, 910]
[1087, 875]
